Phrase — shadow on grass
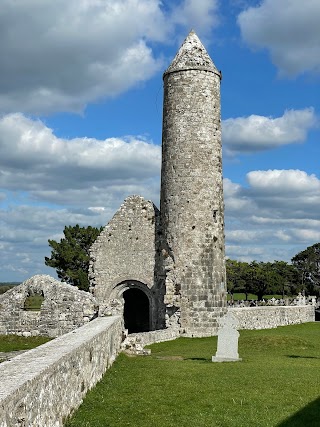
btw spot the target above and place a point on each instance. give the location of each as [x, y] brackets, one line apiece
[309, 416]
[294, 356]
[199, 359]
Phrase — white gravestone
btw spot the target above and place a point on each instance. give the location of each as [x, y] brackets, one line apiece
[301, 300]
[227, 349]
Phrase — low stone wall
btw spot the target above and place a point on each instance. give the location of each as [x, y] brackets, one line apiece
[41, 387]
[268, 317]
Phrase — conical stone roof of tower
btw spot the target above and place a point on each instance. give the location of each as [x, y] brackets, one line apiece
[192, 55]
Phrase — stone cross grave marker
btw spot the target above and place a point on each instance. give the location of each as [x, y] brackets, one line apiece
[228, 335]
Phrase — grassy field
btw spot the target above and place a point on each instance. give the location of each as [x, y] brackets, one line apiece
[5, 286]
[276, 384]
[240, 297]
[33, 302]
[15, 342]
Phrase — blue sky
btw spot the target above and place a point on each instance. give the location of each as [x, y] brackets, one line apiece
[81, 112]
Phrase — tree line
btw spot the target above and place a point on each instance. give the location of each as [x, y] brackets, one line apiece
[70, 258]
[278, 277]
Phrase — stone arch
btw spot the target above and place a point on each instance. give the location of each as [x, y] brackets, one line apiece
[135, 279]
[137, 305]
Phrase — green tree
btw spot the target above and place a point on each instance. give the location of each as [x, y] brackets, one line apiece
[288, 280]
[260, 276]
[236, 277]
[307, 263]
[70, 256]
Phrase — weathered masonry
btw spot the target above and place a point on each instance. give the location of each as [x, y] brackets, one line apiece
[41, 387]
[64, 308]
[191, 189]
[125, 261]
[167, 270]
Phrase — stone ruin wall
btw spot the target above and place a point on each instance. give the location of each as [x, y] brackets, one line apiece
[64, 308]
[128, 249]
[273, 316]
[41, 387]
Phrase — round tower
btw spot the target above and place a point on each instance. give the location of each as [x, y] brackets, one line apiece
[192, 209]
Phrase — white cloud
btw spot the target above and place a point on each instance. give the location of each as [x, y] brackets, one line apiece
[274, 217]
[60, 55]
[245, 236]
[296, 222]
[199, 15]
[236, 200]
[285, 182]
[33, 159]
[244, 253]
[303, 235]
[97, 209]
[230, 188]
[257, 133]
[289, 29]
[87, 178]
[286, 193]
[307, 235]
[282, 235]
[281, 216]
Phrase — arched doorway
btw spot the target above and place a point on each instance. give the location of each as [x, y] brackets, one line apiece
[136, 311]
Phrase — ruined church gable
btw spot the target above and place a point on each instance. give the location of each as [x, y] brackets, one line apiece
[63, 309]
[125, 249]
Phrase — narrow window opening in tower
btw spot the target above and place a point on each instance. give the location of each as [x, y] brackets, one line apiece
[136, 311]
[215, 215]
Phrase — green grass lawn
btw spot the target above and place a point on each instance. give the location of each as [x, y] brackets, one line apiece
[241, 296]
[33, 303]
[276, 384]
[16, 342]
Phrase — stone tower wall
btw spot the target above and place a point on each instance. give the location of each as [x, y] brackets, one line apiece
[192, 198]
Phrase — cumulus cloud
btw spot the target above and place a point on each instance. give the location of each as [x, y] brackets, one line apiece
[273, 217]
[50, 182]
[60, 55]
[278, 212]
[244, 253]
[285, 193]
[257, 133]
[33, 159]
[285, 182]
[289, 29]
[82, 180]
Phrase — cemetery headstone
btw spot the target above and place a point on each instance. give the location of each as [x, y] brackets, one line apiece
[228, 336]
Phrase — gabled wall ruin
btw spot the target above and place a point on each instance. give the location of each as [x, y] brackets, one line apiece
[125, 257]
[63, 309]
